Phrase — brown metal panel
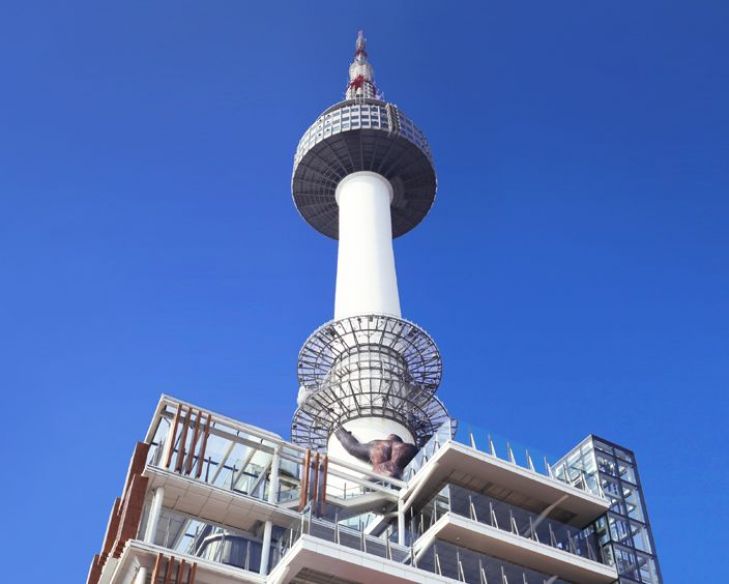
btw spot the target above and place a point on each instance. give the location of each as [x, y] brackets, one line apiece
[183, 439]
[201, 458]
[180, 572]
[131, 513]
[168, 570]
[173, 436]
[192, 574]
[193, 443]
[315, 483]
[305, 480]
[136, 464]
[324, 479]
[112, 528]
[157, 566]
[94, 570]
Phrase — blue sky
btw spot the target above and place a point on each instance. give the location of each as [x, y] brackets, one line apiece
[573, 269]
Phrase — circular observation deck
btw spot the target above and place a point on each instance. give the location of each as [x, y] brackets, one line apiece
[356, 135]
[317, 419]
[368, 366]
[379, 337]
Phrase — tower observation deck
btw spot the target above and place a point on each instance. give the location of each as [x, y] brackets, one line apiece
[363, 174]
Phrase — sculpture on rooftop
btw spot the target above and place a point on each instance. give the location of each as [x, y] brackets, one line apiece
[388, 457]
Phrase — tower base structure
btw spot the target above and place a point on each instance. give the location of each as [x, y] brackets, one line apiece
[213, 500]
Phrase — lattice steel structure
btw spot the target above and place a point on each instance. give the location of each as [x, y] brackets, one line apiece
[368, 366]
[368, 362]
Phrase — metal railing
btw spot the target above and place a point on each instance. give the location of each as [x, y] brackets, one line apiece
[505, 450]
[506, 517]
[347, 537]
[464, 565]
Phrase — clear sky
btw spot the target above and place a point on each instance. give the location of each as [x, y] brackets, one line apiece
[574, 269]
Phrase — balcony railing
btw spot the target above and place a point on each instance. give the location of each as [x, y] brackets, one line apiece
[506, 517]
[441, 558]
[505, 450]
[239, 458]
[464, 565]
[195, 537]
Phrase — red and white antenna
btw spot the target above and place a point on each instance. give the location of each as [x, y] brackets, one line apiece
[361, 73]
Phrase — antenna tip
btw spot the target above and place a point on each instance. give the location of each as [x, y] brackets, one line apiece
[361, 40]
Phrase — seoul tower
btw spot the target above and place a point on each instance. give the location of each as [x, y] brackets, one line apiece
[363, 175]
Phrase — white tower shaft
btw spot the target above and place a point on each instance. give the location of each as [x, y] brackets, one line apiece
[367, 371]
[366, 277]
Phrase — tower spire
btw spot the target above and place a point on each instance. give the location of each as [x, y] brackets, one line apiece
[361, 73]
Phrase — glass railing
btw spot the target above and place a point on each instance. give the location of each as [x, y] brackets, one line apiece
[441, 437]
[183, 534]
[241, 468]
[465, 565]
[239, 459]
[193, 537]
[441, 558]
[506, 517]
[505, 450]
[383, 547]
[218, 453]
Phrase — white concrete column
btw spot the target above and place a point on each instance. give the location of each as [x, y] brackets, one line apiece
[266, 549]
[273, 477]
[141, 577]
[400, 522]
[366, 278]
[155, 510]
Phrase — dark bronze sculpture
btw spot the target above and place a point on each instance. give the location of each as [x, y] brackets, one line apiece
[388, 457]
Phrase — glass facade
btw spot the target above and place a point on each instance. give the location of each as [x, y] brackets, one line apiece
[360, 115]
[624, 533]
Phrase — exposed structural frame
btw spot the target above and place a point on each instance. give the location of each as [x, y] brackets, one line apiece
[370, 365]
[396, 336]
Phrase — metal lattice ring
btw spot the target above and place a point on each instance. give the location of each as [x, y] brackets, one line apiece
[375, 333]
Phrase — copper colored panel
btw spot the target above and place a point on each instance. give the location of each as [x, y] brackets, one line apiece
[192, 574]
[183, 439]
[193, 444]
[131, 513]
[315, 483]
[180, 572]
[136, 464]
[201, 458]
[168, 571]
[324, 478]
[305, 480]
[112, 527]
[94, 570]
[173, 436]
[156, 569]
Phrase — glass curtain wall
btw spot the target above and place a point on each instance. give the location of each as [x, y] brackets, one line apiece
[624, 533]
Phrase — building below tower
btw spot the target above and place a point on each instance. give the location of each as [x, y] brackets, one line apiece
[212, 500]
